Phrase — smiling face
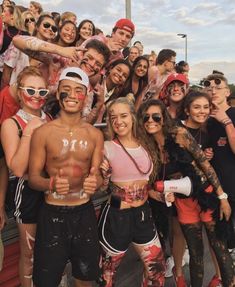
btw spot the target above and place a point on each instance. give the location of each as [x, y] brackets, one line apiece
[86, 30]
[35, 102]
[141, 68]
[154, 120]
[198, 111]
[92, 62]
[121, 119]
[71, 96]
[68, 33]
[176, 91]
[119, 74]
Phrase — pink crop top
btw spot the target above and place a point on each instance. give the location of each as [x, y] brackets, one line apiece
[123, 169]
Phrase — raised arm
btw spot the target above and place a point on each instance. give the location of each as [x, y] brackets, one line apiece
[219, 113]
[39, 49]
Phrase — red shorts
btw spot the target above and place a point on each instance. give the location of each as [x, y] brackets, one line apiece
[189, 211]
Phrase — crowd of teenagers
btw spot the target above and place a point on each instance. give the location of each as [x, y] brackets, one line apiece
[81, 112]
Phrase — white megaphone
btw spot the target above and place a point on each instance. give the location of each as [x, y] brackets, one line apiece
[182, 186]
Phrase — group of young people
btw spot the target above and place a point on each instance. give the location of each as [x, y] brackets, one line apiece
[157, 130]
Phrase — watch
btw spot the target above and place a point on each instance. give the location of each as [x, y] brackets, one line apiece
[223, 196]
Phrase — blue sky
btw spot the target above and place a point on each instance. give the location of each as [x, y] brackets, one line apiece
[209, 26]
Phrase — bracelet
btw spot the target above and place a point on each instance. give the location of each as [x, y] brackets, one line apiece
[222, 196]
[226, 121]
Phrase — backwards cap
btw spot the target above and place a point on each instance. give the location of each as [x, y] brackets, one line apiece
[76, 75]
[125, 24]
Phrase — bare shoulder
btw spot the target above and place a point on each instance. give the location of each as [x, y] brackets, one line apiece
[93, 132]
[45, 129]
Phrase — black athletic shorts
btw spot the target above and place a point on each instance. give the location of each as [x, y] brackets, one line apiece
[118, 228]
[66, 233]
[27, 202]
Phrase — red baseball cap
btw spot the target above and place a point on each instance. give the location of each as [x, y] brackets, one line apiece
[176, 77]
[125, 24]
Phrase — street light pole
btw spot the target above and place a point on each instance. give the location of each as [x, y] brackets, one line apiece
[186, 44]
[128, 9]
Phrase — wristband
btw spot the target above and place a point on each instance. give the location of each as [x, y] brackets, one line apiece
[223, 196]
[226, 121]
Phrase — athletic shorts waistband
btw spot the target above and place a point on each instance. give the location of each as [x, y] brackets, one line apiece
[67, 208]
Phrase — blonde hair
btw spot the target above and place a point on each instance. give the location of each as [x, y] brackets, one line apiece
[29, 71]
[66, 15]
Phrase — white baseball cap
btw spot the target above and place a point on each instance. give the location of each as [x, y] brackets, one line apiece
[76, 75]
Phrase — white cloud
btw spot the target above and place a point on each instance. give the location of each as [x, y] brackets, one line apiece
[202, 69]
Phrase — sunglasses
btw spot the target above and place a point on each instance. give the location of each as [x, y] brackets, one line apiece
[27, 20]
[47, 25]
[155, 117]
[32, 92]
[207, 83]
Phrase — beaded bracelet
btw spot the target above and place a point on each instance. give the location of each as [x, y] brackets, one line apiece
[226, 121]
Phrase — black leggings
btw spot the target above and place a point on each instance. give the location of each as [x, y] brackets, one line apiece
[193, 236]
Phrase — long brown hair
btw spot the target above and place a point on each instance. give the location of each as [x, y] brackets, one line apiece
[148, 140]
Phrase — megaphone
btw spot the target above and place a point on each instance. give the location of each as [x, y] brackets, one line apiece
[182, 186]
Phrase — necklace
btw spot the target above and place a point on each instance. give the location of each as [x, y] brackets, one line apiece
[28, 117]
[133, 160]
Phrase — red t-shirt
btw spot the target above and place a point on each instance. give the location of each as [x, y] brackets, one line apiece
[8, 105]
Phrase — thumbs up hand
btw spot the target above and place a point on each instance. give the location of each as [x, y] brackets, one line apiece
[60, 184]
[90, 182]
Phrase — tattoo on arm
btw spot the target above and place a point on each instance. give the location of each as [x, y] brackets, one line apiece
[202, 165]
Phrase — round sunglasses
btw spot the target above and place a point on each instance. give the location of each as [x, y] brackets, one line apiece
[32, 92]
[155, 117]
[207, 83]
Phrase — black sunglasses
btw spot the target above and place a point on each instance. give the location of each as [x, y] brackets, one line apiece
[155, 117]
[207, 83]
[47, 25]
[27, 20]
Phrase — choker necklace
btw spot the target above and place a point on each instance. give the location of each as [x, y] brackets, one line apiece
[27, 117]
[133, 160]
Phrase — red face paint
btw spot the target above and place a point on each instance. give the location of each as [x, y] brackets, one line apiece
[35, 103]
[80, 96]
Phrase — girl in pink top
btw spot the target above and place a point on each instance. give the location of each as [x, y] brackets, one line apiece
[127, 217]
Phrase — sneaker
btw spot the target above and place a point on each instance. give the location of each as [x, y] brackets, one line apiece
[185, 258]
[215, 282]
[169, 265]
[179, 280]
[64, 281]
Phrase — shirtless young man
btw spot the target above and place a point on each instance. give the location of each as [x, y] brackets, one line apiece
[64, 162]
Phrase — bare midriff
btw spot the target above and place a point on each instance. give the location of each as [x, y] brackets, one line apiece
[132, 193]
